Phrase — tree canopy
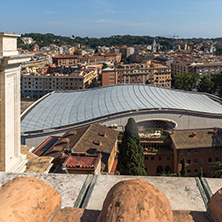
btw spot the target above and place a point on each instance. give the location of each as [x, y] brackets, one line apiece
[186, 81]
[217, 169]
[130, 158]
[207, 83]
[116, 40]
[217, 84]
[183, 171]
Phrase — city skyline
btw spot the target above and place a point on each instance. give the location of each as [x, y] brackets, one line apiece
[102, 18]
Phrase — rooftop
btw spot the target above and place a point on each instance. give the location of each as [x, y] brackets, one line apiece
[198, 138]
[186, 195]
[62, 109]
[92, 139]
[81, 161]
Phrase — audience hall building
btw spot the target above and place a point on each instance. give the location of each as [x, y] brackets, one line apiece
[115, 104]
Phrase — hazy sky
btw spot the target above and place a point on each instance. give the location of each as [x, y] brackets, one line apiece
[97, 18]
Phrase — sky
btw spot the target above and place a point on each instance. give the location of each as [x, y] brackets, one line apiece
[101, 18]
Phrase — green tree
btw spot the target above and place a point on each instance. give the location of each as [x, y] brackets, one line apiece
[183, 171]
[217, 87]
[206, 84]
[147, 82]
[186, 81]
[104, 66]
[130, 158]
[217, 169]
[201, 172]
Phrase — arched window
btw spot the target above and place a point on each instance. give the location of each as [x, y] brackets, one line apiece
[159, 169]
[167, 169]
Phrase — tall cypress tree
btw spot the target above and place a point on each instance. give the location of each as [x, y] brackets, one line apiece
[183, 171]
[130, 158]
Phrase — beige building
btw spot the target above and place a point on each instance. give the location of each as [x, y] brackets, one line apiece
[155, 74]
[11, 159]
[68, 60]
[207, 68]
[39, 85]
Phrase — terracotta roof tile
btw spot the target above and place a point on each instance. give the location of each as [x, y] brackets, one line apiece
[197, 138]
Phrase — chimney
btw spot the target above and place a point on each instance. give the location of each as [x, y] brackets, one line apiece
[194, 135]
[171, 132]
[215, 130]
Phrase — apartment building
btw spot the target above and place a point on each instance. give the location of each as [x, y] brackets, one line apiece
[179, 67]
[126, 51]
[200, 148]
[156, 74]
[158, 156]
[208, 68]
[39, 85]
[68, 60]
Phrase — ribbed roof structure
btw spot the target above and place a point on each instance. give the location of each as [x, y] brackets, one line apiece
[68, 108]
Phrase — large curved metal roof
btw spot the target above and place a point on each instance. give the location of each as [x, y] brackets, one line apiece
[67, 108]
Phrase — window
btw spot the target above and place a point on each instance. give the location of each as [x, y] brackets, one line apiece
[146, 157]
[203, 161]
[188, 171]
[209, 160]
[210, 150]
[152, 157]
[189, 151]
[196, 171]
[195, 161]
[181, 152]
[159, 158]
[203, 151]
[216, 159]
[216, 150]
[195, 151]
[189, 161]
[168, 158]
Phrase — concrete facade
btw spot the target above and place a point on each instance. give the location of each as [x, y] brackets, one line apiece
[11, 159]
[184, 119]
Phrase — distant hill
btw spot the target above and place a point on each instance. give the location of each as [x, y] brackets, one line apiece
[117, 40]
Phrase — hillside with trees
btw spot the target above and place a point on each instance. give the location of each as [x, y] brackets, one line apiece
[116, 40]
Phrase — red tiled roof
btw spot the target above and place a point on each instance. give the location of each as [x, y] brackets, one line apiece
[64, 56]
[81, 160]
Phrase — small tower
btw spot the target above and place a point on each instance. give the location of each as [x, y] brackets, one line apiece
[154, 45]
[11, 159]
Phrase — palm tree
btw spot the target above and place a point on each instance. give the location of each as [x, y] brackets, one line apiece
[217, 169]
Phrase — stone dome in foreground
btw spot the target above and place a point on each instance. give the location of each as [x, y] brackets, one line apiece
[215, 205]
[27, 199]
[135, 200]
